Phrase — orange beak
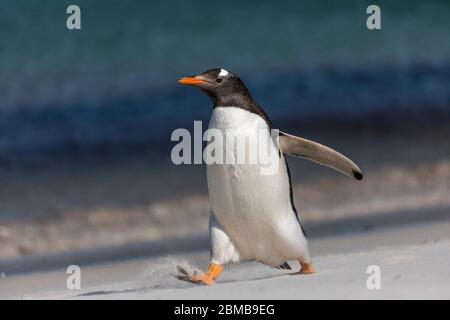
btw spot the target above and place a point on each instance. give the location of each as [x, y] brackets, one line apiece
[191, 81]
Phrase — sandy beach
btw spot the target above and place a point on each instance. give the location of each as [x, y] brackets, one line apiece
[414, 261]
[128, 234]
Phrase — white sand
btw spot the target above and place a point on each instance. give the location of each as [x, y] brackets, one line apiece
[414, 261]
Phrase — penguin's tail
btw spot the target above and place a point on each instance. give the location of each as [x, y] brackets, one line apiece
[284, 266]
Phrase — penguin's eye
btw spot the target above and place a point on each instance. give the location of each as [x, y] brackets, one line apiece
[219, 80]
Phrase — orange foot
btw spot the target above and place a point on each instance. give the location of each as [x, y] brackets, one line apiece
[307, 268]
[207, 278]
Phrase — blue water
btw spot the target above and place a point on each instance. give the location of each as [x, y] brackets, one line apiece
[113, 83]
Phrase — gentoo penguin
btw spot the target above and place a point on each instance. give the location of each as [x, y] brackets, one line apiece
[253, 217]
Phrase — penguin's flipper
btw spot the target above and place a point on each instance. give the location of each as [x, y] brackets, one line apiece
[318, 153]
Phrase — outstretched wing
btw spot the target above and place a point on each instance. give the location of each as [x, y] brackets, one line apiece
[318, 153]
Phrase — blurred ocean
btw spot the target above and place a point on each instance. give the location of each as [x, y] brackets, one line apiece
[112, 85]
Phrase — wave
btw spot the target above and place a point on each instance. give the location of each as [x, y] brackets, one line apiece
[417, 93]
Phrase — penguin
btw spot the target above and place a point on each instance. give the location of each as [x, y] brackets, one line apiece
[253, 216]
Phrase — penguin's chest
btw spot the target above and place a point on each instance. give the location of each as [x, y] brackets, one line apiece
[249, 193]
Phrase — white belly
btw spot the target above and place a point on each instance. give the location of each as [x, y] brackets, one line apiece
[254, 209]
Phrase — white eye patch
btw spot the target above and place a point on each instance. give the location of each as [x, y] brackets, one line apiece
[223, 73]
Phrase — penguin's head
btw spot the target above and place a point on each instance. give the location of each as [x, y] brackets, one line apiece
[220, 85]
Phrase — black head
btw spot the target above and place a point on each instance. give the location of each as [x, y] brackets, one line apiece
[225, 90]
[222, 86]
